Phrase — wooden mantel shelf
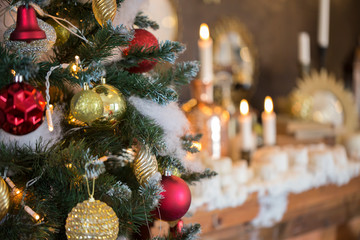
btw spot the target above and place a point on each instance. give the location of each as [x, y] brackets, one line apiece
[314, 209]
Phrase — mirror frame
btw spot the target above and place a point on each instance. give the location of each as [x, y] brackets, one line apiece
[324, 81]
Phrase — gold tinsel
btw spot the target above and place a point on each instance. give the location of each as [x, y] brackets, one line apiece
[145, 165]
[104, 10]
[92, 219]
[4, 199]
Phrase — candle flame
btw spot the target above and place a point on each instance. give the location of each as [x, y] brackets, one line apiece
[268, 105]
[204, 31]
[36, 216]
[244, 107]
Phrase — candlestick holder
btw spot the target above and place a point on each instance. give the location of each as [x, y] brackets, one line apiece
[209, 119]
[322, 57]
[246, 155]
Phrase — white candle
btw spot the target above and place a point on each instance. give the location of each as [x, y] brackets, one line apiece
[245, 125]
[304, 49]
[323, 25]
[269, 123]
[205, 45]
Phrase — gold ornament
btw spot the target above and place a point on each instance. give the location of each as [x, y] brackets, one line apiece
[104, 10]
[86, 105]
[113, 100]
[174, 171]
[92, 219]
[4, 199]
[145, 165]
[37, 47]
[62, 34]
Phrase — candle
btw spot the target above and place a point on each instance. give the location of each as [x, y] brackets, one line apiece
[215, 126]
[323, 25]
[245, 125]
[269, 122]
[304, 49]
[205, 45]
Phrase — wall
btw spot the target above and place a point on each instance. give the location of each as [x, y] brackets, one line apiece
[275, 25]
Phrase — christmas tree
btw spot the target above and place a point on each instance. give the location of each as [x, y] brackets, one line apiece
[91, 131]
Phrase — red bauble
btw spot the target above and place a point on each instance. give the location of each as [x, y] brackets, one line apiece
[144, 39]
[176, 199]
[21, 108]
[27, 28]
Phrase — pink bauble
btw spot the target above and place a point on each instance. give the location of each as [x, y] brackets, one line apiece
[176, 199]
[21, 108]
[145, 39]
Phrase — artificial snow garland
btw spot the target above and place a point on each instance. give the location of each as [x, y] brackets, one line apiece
[236, 182]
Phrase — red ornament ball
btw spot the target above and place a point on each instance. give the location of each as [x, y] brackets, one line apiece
[21, 108]
[176, 199]
[142, 38]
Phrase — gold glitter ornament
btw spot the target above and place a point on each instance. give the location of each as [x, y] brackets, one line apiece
[145, 165]
[36, 47]
[86, 105]
[104, 10]
[4, 199]
[92, 219]
[62, 34]
[113, 100]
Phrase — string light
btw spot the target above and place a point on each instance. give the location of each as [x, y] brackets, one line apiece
[32, 213]
[49, 119]
[14, 189]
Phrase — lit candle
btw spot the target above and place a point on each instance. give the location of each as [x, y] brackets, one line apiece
[304, 49]
[269, 122]
[205, 44]
[245, 125]
[323, 25]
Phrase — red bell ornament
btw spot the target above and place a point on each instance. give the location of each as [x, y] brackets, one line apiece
[27, 28]
[176, 199]
[21, 107]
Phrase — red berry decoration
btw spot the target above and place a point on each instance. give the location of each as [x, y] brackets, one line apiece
[21, 108]
[177, 229]
[176, 199]
[142, 38]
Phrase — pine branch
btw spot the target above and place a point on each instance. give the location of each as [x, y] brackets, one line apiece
[189, 232]
[191, 177]
[103, 42]
[134, 84]
[179, 75]
[167, 51]
[144, 22]
[167, 162]
[188, 142]
[21, 64]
